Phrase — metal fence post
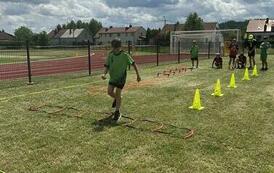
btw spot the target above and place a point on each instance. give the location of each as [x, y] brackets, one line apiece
[29, 64]
[208, 50]
[157, 53]
[129, 50]
[89, 59]
[128, 47]
[179, 51]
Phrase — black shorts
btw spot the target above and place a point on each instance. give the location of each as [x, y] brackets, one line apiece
[117, 85]
[233, 56]
[251, 53]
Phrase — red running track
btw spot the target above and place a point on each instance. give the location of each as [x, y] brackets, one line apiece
[73, 64]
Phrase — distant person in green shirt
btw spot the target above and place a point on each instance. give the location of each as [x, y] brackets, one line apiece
[116, 65]
[265, 45]
[194, 52]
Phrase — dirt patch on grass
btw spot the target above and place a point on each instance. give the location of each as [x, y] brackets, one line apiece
[131, 85]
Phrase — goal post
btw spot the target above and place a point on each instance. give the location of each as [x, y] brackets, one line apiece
[209, 42]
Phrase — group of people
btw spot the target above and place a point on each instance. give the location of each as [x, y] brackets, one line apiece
[118, 61]
[236, 60]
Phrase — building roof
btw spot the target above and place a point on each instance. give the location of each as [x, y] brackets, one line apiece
[257, 25]
[65, 33]
[72, 33]
[119, 30]
[180, 27]
[6, 36]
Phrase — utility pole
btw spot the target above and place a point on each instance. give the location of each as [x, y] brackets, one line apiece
[165, 20]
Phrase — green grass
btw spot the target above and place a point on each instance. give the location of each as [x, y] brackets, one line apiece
[234, 133]
[11, 56]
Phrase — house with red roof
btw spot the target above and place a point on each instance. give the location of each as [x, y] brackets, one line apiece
[134, 34]
[260, 28]
[69, 36]
[5, 37]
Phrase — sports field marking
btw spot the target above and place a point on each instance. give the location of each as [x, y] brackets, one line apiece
[6, 99]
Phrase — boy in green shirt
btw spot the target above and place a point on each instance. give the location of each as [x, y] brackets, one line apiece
[264, 46]
[116, 65]
[194, 51]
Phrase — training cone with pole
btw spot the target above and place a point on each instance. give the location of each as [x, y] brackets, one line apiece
[255, 72]
[218, 89]
[197, 101]
[246, 75]
[232, 83]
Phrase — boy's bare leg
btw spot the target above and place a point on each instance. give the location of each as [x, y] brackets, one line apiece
[192, 61]
[111, 91]
[250, 61]
[197, 63]
[118, 98]
[229, 63]
[254, 62]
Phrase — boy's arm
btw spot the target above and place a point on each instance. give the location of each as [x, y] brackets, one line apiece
[213, 62]
[105, 73]
[137, 72]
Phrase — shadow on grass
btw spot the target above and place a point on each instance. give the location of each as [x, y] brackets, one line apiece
[105, 123]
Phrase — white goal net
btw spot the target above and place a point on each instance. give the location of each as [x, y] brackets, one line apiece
[209, 41]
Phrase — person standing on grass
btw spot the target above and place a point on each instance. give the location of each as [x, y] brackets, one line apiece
[116, 65]
[265, 45]
[194, 52]
[251, 46]
[233, 51]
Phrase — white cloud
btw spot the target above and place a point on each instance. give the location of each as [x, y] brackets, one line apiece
[46, 14]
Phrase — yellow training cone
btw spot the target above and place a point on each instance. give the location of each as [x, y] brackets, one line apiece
[218, 89]
[255, 72]
[197, 101]
[232, 83]
[246, 75]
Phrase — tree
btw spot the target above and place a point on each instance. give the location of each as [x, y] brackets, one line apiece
[79, 24]
[3, 30]
[152, 35]
[23, 34]
[242, 25]
[58, 27]
[41, 39]
[64, 26]
[71, 25]
[193, 22]
[94, 26]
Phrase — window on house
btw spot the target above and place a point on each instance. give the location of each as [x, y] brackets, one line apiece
[118, 35]
[110, 35]
[126, 34]
[132, 34]
[272, 28]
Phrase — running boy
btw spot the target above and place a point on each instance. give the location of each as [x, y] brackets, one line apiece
[218, 61]
[194, 51]
[264, 46]
[233, 51]
[116, 65]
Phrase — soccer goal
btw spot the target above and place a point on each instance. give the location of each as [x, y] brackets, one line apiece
[210, 42]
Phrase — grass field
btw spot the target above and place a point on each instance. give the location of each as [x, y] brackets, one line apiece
[17, 56]
[234, 133]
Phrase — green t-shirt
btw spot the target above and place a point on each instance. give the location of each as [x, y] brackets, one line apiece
[117, 65]
[264, 46]
[194, 51]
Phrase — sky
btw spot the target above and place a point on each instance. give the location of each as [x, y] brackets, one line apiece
[44, 15]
